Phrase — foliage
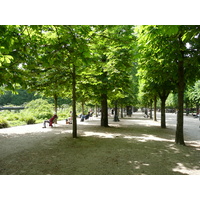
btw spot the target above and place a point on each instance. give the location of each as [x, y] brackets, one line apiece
[64, 112]
[19, 98]
[194, 92]
[99, 63]
[10, 115]
[3, 123]
[114, 48]
[28, 118]
[168, 64]
[171, 101]
[39, 108]
[11, 50]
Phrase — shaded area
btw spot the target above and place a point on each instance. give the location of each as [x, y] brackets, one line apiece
[131, 146]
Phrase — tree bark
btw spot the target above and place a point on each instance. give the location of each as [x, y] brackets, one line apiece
[151, 102]
[155, 108]
[96, 110]
[181, 86]
[163, 98]
[116, 119]
[197, 108]
[163, 120]
[122, 113]
[104, 110]
[74, 131]
[83, 107]
[55, 106]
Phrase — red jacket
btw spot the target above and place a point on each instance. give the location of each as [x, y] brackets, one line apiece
[52, 119]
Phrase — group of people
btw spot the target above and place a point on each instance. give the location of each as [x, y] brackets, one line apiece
[54, 120]
[69, 120]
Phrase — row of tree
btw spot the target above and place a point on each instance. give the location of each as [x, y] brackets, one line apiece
[99, 63]
[169, 62]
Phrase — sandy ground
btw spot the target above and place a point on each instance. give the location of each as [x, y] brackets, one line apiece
[22, 138]
[191, 126]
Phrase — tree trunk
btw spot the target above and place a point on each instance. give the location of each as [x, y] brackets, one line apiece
[181, 86]
[163, 98]
[122, 113]
[83, 109]
[55, 106]
[104, 110]
[163, 121]
[74, 131]
[187, 108]
[116, 119]
[197, 108]
[155, 108]
[96, 110]
[151, 102]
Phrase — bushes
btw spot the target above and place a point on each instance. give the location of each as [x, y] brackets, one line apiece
[35, 112]
[3, 123]
[39, 109]
[10, 115]
[36, 109]
[28, 118]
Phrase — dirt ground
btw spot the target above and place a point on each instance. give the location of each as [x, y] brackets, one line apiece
[132, 146]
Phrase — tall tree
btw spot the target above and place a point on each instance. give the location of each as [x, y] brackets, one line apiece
[59, 52]
[168, 44]
[114, 48]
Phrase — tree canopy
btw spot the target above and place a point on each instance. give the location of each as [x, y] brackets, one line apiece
[98, 63]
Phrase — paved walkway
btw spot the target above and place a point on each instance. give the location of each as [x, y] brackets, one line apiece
[27, 140]
[191, 126]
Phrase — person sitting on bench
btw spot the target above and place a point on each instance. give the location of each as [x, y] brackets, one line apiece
[87, 116]
[69, 120]
[84, 117]
[50, 121]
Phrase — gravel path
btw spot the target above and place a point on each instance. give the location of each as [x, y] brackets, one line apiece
[191, 130]
[15, 140]
[191, 126]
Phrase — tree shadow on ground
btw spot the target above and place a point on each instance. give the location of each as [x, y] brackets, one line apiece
[154, 148]
[132, 149]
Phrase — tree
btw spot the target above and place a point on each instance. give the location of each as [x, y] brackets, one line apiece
[10, 57]
[153, 68]
[113, 47]
[56, 55]
[169, 46]
[194, 95]
[21, 97]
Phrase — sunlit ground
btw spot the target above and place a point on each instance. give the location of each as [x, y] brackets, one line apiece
[132, 146]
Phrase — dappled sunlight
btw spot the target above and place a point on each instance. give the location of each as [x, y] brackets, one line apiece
[138, 164]
[174, 148]
[146, 138]
[141, 122]
[143, 138]
[32, 129]
[195, 144]
[130, 146]
[182, 169]
[21, 130]
[101, 135]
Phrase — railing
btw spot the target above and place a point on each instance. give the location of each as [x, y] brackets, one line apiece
[12, 108]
